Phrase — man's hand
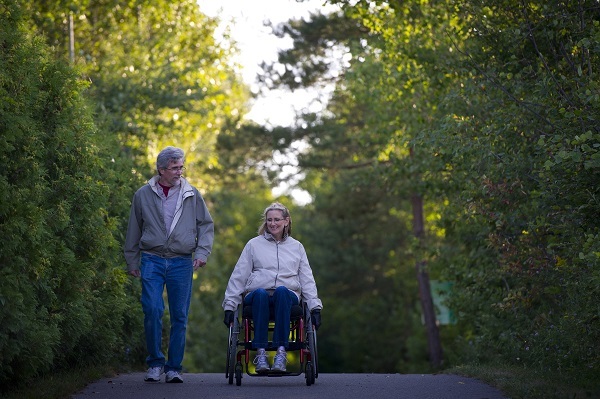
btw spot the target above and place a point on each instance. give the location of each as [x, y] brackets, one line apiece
[135, 273]
[316, 318]
[198, 263]
[228, 319]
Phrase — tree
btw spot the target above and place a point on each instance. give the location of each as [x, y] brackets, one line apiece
[57, 232]
[524, 183]
[397, 60]
[158, 76]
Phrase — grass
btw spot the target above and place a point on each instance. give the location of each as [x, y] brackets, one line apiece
[522, 383]
[60, 385]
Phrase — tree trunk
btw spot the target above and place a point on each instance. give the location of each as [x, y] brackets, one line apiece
[433, 335]
[71, 38]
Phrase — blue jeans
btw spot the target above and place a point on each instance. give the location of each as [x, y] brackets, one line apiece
[176, 275]
[281, 301]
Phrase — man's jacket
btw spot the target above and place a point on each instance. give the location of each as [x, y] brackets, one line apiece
[193, 228]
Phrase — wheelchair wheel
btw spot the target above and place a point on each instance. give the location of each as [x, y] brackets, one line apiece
[309, 373]
[311, 337]
[238, 374]
[312, 348]
[230, 358]
[232, 349]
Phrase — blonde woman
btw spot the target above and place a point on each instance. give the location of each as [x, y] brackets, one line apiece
[272, 271]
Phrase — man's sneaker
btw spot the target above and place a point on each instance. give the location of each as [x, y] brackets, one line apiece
[262, 365]
[153, 374]
[173, 376]
[280, 360]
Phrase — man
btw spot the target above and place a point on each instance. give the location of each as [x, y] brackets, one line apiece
[170, 235]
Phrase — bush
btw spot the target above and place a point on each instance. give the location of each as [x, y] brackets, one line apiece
[63, 295]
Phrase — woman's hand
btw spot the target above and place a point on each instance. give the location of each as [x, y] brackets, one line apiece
[228, 319]
[316, 318]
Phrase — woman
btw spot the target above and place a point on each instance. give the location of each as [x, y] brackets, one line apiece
[273, 270]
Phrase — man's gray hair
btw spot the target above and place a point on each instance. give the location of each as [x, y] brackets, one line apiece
[167, 156]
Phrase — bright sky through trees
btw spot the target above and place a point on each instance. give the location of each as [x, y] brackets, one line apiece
[245, 20]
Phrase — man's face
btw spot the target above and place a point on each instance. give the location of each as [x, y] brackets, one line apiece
[171, 176]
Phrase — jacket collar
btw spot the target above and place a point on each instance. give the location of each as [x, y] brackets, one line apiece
[269, 237]
[185, 186]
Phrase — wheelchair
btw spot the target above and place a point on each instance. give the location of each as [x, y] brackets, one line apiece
[303, 339]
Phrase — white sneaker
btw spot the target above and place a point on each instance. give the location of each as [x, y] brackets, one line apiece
[173, 376]
[262, 365]
[280, 360]
[153, 374]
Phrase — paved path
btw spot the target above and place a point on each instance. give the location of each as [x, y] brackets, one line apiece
[327, 386]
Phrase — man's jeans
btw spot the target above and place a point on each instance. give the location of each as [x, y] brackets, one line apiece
[281, 301]
[176, 275]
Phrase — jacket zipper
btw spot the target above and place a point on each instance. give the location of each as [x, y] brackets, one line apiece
[278, 266]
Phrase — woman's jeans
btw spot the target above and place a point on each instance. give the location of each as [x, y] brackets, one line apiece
[176, 275]
[281, 301]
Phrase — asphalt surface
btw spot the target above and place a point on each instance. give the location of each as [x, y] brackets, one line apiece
[327, 386]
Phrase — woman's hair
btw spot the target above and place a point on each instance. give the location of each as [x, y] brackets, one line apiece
[276, 206]
[167, 156]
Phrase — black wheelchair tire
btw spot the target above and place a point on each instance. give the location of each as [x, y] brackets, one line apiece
[311, 337]
[232, 349]
[309, 373]
[238, 374]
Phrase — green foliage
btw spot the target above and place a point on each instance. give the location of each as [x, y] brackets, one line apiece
[153, 75]
[63, 299]
[503, 129]
[359, 174]
[518, 382]
[158, 76]
[496, 101]
[529, 148]
[355, 233]
[315, 39]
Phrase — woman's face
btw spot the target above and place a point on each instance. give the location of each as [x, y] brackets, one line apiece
[276, 223]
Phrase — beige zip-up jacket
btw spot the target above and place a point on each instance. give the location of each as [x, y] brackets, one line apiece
[192, 228]
[265, 263]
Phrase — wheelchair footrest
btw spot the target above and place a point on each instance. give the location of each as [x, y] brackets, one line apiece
[292, 346]
[275, 374]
